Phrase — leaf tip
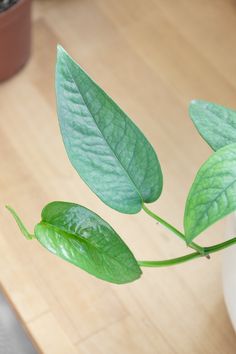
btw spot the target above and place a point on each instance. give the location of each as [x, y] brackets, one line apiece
[60, 49]
[9, 208]
[197, 103]
[193, 102]
[192, 106]
[61, 52]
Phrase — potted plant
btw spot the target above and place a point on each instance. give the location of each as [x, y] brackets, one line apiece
[217, 125]
[229, 278]
[15, 33]
[120, 166]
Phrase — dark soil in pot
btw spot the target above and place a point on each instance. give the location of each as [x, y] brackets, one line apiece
[5, 4]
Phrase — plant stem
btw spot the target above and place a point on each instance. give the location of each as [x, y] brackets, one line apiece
[220, 246]
[22, 227]
[193, 245]
[169, 262]
[188, 257]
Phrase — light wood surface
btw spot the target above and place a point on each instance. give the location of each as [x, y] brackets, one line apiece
[152, 57]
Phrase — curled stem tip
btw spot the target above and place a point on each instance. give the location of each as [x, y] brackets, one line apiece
[19, 222]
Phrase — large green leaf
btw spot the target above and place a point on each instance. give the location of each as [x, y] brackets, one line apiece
[213, 193]
[105, 147]
[81, 237]
[216, 124]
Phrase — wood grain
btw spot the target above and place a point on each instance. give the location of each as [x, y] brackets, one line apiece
[153, 57]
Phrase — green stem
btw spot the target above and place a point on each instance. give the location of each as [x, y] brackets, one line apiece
[188, 257]
[22, 227]
[193, 245]
[169, 262]
[220, 246]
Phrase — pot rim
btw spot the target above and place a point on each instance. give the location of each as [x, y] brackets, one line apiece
[13, 12]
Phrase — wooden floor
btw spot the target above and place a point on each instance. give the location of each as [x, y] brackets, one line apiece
[152, 57]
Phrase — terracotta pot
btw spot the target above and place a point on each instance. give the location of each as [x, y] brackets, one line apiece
[15, 34]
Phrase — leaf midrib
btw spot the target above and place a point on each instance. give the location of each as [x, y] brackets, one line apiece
[123, 168]
[227, 122]
[84, 240]
[212, 201]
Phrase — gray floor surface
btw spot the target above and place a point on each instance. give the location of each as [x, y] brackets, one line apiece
[13, 339]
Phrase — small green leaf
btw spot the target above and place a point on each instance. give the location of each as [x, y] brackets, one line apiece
[216, 124]
[105, 147]
[82, 238]
[213, 193]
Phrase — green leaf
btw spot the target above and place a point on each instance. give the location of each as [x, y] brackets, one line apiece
[105, 147]
[216, 124]
[213, 193]
[82, 238]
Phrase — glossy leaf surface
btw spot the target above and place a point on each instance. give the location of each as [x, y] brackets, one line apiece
[213, 193]
[105, 147]
[81, 237]
[215, 123]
